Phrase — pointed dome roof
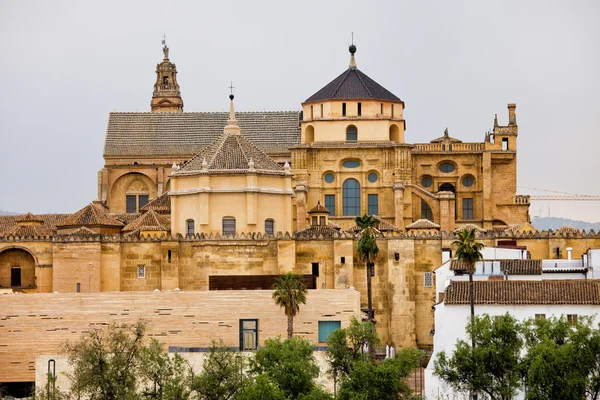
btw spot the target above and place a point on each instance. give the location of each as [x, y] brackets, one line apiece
[149, 221]
[90, 215]
[318, 209]
[353, 84]
[160, 204]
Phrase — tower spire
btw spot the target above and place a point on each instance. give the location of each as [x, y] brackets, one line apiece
[232, 127]
[352, 49]
[166, 96]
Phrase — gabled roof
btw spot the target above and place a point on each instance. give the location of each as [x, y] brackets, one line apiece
[29, 217]
[521, 267]
[160, 204]
[353, 84]
[318, 209]
[230, 153]
[90, 215]
[470, 227]
[423, 224]
[186, 134]
[149, 221]
[81, 231]
[446, 138]
[525, 292]
[316, 230]
[382, 226]
[28, 230]
[50, 220]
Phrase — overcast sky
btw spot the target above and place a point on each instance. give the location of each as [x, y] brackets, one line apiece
[66, 64]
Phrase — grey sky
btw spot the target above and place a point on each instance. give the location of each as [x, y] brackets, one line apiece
[67, 64]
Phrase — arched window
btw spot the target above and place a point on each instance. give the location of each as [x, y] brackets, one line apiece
[395, 133]
[269, 226]
[190, 229]
[426, 212]
[309, 134]
[228, 226]
[447, 187]
[351, 134]
[351, 197]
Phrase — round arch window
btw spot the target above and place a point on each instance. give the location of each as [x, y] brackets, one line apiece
[447, 167]
[372, 177]
[426, 181]
[329, 178]
[468, 181]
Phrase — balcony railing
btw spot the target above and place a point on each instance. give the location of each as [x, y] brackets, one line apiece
[449, 147]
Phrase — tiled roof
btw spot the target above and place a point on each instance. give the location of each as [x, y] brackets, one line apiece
[459, 265]
[318, 209]
[469, 226]
[81, 231]
[382, 226]
[50, 220]
[28, 230]
[230, 153]
[521, 267]
[423, 224]
[29, 217]
[186, 134]
[90, 215]
[353, 84]
[160, 204]
[150, 221]
[316, 230]
[525, 292]
[567, 229]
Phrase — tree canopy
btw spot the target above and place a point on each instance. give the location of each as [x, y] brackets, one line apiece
[288, 293]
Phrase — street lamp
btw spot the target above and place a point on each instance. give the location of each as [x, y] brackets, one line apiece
[90, 277]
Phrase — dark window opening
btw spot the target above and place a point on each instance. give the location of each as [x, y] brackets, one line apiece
[321, 220]
[314, 221]
[392, 111]
[351, 197]
[312, 115]
[190, 227]
[165, 80]
[15, 276]
[330, 203]
[373, 204]
[269, 226]
[359, 109]
[343, 109]
[447, 167]
[447, 187]
[248, 334]
[351, 134]
[142, 200]
[467, 208]
[381, 109]
[131, 206]
[504, 144]
[78, 287]
[169, 253]
[315, 269]
[572, 319]
[228, 226]
[321, 110]
[426, 212]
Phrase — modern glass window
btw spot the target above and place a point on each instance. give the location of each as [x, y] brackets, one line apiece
[329, 178]
[248, 334]
[269, 226]
[351, 134]
[467, 208]
[228, 226]
[131, 206]
[426, 212]
[343, 109]
[426, 181]
[447, 167]
[359, 109]
[325, 329]
[373, 203]
[468, 181]
[15, 276]
[351, 197]
[372, 177]
[428, 279]
[141, 271]
[330, 203]
[190, 229]
[351, 164]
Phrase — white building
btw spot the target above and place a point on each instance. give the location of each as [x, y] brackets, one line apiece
[524, 288]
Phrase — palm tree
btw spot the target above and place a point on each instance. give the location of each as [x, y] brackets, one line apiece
[469, 251]
[367, 252]
[289, 292]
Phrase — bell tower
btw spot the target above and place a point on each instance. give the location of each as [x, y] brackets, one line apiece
[166, 96]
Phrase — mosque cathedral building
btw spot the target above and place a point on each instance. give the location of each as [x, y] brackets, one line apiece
[200, 201]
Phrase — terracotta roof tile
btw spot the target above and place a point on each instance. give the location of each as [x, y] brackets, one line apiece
[28, 230]
[150, 221]
[521, 267]
[81, 231]
[49, 220]
[316, 230]
[186, 134]
[353, 84]
[90, 215]
[525, 292]
[160, 204]
[423, 224]
[567, 229]
[469, 226]
[318, 209]
[29, 217]
[382, 226]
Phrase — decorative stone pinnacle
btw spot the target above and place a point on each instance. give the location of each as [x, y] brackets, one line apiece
[286, 167]
[232, 127]
[204, 164]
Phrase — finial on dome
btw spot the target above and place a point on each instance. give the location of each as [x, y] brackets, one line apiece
[232, 127]
[352, 49]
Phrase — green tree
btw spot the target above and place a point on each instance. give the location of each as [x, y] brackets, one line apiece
[262, 387]
[345, 346]
[290, 364]
[49, 391]
[469, 251]
[289, 292]
[381, 380]
[492, 366]
[368, 250]
[166, 376]
[222, 375]
[104, 362]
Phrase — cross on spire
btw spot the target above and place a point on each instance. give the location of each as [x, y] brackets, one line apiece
[231, 87]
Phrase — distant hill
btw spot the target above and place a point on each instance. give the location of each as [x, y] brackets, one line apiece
[2, 212]
[545, 223]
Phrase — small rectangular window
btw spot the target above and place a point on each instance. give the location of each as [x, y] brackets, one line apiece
[269, 226]
[572, 319]
[359, 109]
[248, 334]
[343, 109]
[315, 269]
[131, 206]
[428, 279]
[141, 271]
[78, 287]
[381, 109]
[467, 212]
[322, 115]
[392, 113]
[228, 226]
[314, 222]
[373, 202]
[142, 200]
[504, 144]
[325, 329]
[330, 203]
[190, 229]
[169, 254]
[321, 220]
[312, 115]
